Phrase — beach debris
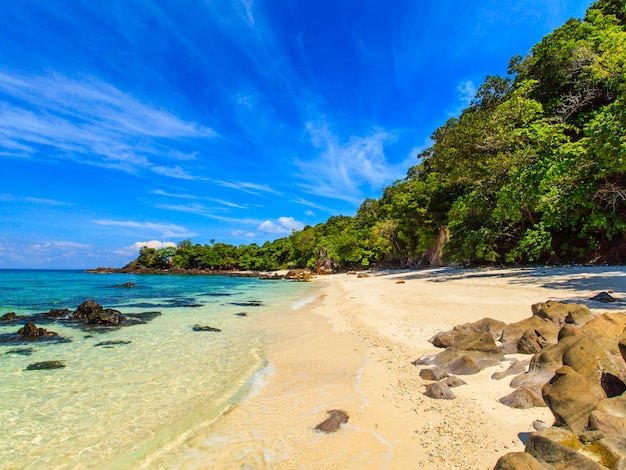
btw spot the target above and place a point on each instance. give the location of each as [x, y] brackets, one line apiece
[604, 297]
[112, 343]
[46, 365]
[439, 391]
[10, 317]
[205, 328]
[334, 421]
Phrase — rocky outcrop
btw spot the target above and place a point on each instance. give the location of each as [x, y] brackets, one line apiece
[31, 331]
[92, 313]
[10, 317]
[469, 354]
[489, 325]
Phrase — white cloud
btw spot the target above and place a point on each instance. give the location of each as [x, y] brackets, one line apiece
[166, 230]
[284, 225]
[33, 200]
[252, 188]
[242, 233]
[343, 168]
[309, 212]
[88, 121]
[133, 250]
[160, 192]
[466, 91]
[173, 172]
[60, 244]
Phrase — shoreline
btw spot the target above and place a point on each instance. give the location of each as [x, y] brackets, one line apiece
[352, 348]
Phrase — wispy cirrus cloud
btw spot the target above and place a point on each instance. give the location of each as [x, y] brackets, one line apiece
[251, 188]
[90, 121]
[204, 211]
[342, 169]
[222, 202]
[173, 172]
[32, 200]
[165, 230]
[160, 192]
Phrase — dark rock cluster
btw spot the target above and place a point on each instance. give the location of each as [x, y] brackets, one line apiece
[577, 370]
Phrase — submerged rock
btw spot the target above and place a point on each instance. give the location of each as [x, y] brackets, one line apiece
[333, 422]
[46, 365]
[126, 285]
[205, 328]
[21, 352]
[110, 344]
[10, 317]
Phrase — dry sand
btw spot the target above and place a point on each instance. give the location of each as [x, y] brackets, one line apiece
[352, 349]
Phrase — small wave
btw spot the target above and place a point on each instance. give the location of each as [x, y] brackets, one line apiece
[302, 302]
[259, 379]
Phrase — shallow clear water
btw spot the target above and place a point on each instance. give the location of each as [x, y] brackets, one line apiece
[113, 406]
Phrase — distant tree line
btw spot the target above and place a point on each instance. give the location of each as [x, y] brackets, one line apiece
[533, 170]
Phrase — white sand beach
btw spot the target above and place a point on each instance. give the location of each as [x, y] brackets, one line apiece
[352, 349]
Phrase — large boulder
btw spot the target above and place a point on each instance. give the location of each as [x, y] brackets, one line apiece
[559, 456]
[523, 398]
[588, 358]
[571, 398]
[530, 335]
[519, 461]
[610, 416]
[447, 338]
[469, 354]
[512, 334]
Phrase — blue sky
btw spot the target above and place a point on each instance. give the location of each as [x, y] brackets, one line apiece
[132, 122]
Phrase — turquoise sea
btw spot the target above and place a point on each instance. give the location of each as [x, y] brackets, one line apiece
[117, 404]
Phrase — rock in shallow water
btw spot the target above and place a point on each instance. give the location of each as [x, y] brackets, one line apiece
[205, 328]
[46, 365]
[333, 422]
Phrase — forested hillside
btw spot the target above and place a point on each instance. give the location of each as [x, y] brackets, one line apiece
[534, 170]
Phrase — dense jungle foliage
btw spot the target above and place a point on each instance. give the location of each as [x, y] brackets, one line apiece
[534, 170]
